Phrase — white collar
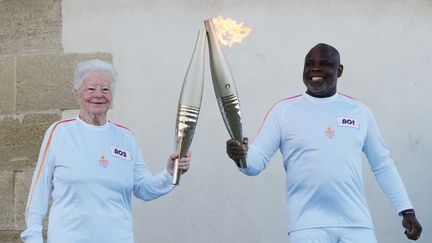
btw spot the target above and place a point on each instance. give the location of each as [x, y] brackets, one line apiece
[320, 100]
[91, 126]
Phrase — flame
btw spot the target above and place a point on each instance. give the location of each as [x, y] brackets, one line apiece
[229, 32]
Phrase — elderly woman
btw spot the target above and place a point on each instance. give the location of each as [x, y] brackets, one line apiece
[89, 167]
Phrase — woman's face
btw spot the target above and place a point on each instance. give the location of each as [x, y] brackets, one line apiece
[95, 95]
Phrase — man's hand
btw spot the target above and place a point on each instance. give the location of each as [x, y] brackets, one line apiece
[412, 227]
[184, 162]
[237, 150]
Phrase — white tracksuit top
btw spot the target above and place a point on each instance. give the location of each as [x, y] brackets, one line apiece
[321, 141]
[89, 172]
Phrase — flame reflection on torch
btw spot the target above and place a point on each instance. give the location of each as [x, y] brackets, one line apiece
[224, 86]
[189, 103]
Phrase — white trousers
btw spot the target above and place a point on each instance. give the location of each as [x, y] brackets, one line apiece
[333, 235]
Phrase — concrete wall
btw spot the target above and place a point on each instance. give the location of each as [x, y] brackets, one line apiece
[384, 45]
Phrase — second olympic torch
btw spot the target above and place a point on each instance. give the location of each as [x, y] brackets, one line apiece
[189, 103]
[224, 86]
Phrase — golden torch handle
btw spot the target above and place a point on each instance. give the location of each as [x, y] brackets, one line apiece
[241, 163]
[177, 172]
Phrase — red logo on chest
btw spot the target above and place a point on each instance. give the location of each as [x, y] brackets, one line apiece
[330, 133]
[103, 161]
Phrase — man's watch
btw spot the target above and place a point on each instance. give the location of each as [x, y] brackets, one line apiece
[407, 212]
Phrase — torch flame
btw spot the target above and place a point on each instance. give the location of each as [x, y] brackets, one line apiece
[228, 31]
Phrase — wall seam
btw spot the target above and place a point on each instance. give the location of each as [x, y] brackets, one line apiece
[15, 84]
[15, 200]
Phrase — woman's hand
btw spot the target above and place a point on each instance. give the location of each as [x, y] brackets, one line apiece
[184, 162]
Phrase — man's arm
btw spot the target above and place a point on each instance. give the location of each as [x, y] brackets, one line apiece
[388, 177]
[263, 148]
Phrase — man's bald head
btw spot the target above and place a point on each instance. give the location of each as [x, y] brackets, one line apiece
[326, 48]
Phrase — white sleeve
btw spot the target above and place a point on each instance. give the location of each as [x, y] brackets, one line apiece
[40, 190]
[147, 186]
[264, 145]
[383, 166]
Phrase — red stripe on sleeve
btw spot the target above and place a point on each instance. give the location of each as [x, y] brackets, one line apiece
[43, 161]
[265, 117]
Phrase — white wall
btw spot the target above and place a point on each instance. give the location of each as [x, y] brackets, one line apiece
[385, 47]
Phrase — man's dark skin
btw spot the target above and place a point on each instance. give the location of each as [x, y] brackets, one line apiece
[321, 70]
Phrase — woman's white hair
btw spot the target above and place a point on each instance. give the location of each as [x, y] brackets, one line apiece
[94, 65]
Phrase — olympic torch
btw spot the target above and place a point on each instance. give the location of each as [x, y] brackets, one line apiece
[189, 103]
[224, 87]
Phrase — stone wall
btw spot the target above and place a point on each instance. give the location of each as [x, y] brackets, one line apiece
[36, 80]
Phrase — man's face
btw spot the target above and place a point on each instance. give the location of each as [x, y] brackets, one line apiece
[321, 70]
[95, 94]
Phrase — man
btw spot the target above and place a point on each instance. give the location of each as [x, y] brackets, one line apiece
[321, 135]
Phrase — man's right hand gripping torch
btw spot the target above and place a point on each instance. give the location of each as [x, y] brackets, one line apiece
[224, 86]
